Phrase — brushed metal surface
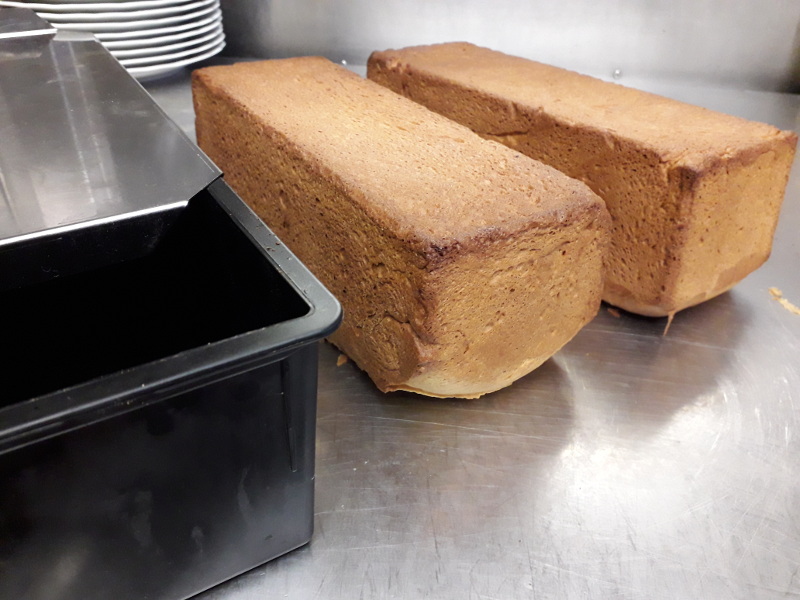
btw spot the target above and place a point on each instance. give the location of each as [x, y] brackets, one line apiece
[82, 142]
[19, 23]
[745, 44]
[631, 465]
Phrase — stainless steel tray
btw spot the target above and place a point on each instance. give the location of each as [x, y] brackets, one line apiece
[631, 465]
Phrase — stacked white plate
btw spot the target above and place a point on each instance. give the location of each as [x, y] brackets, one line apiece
[149, 37]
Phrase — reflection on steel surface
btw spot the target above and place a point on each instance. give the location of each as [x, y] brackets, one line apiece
[18, 23]
[752, 44]
[78, 142]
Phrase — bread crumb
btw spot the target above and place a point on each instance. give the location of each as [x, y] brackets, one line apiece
[613, 312]
[342, 359]
[778, 295]
[670, 316]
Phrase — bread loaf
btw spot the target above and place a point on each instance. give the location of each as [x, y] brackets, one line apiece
[694, 195]
[461, 265]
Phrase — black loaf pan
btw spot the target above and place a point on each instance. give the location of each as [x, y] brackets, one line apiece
[157, 412]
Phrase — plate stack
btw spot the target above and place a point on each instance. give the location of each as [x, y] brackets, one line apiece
[149, 37]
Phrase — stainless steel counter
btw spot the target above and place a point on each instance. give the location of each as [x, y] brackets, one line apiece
[631, 465]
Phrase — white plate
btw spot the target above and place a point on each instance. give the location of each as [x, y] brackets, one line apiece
[162, 40]
[104, 36]
[128, 26]
[157, 51]
[101, 5]
[153, 70]
[126, 17]
[173, 56]
[70, 3]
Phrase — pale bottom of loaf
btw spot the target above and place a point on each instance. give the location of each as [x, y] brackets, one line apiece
[440, 387]
[623, 298]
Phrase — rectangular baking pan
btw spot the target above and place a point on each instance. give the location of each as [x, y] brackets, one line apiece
[158, 344]
[157, 413]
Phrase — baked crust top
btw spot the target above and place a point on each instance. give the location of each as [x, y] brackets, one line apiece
[427, 178]
[681, 133]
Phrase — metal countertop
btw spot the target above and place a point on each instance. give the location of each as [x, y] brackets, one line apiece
[631, 465]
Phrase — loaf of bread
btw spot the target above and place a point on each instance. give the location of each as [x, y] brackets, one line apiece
[694, 195]
[461, 264]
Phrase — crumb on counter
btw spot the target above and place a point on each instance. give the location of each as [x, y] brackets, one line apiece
[777, 294]
[670, 316]
[341, 359]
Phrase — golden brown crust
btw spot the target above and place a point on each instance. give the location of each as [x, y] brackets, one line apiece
[390, 205]
[694, 195]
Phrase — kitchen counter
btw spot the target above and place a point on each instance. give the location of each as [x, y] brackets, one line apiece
[632, 464]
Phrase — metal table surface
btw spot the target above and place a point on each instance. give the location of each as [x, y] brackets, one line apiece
[630, 465]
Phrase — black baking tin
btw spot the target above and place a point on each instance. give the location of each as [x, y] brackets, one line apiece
[157, 404]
